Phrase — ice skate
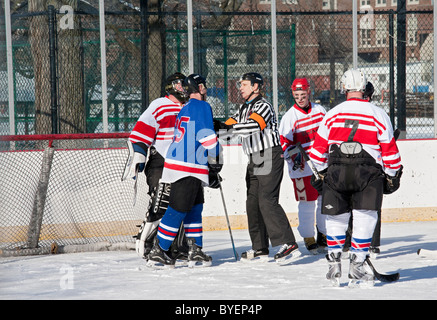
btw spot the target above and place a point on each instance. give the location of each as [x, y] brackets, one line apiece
[287, 253]
[311, 245]
[334, 272]
[196, 257]
[158, 258]
[360, 275]
[179, 252]
[261, 255]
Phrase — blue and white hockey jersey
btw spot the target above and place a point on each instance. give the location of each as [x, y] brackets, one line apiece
[194, 139]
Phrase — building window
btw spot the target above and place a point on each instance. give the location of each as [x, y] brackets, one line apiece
[366, 37]
[326, 5]
[412, 30]
[381, 32]
[381, 3]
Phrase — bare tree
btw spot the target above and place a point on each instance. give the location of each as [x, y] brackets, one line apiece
[71, 111]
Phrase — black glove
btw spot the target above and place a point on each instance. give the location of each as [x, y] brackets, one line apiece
[215, 164]
[221, 125]
[391, 184]
[214, 180]
[318, 183]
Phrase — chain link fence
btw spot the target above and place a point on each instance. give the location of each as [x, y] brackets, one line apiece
[145, 45]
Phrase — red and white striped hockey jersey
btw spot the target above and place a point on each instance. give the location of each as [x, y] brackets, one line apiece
[374, 132]
[155, 127]
[298, 125]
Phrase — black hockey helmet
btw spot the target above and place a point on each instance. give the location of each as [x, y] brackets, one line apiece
[368, 92]
[253, 77]
[174, 86]
[192, 82]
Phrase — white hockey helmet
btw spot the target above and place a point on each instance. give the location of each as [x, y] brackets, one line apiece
[353, 80]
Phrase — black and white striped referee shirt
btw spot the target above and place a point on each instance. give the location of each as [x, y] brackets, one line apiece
[256, 124]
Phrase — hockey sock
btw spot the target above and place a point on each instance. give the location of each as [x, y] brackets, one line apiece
[336, 227]
[335, 243]
[306, 211]
[360, 247]
[193, 224]
[169, 226]
[364, 222]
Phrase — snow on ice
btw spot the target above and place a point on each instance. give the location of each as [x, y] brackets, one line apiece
[123, 275]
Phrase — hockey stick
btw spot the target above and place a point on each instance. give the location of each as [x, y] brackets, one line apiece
[307, 160]
[127, 168]
[227, 219]
[396, 134]
[382, 277]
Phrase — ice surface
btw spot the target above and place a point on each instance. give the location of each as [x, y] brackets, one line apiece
[123, 275]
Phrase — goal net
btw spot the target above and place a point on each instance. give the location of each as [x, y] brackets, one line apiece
[63, 193]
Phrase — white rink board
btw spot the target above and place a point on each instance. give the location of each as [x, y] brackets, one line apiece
[418, 183]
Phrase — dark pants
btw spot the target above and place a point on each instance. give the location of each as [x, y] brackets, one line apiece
[266, 218]
[153, 171]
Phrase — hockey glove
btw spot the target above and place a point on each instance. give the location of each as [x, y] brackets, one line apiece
[215, 164]
[295, 159]
[139, 159]
[318, 183]
[391, 184]
[214, 180]
[218, 125]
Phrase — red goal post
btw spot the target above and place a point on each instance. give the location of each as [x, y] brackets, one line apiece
[63, 193]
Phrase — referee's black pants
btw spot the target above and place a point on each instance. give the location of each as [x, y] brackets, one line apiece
[266, 218]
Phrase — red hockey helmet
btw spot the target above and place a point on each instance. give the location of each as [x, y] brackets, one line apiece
[300, 84]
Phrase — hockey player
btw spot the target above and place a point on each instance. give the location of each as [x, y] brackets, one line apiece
[299, 124]
[255, 123]
[153, 132]
[358, 160]
[192, 162]
[376, 239]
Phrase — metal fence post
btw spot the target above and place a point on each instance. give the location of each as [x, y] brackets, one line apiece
[401, 68]
[53, 69]
[144, 54]
[435, 68]
[391, 66]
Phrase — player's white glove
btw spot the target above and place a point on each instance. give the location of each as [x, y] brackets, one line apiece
[294, 157]
[136, 160]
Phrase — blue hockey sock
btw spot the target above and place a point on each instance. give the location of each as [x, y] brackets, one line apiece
[193, 224]
[169, 226]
